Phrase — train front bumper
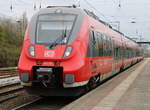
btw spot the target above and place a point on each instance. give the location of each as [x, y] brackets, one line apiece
[51, 77]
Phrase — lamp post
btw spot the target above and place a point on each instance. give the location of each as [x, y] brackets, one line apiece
[136, 31]
[19, 27]
[119, 4]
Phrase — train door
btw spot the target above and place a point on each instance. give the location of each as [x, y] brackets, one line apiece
[101, 52]
[110, 54]
[114, 56]
[108, 59]
[122, 52]
[105, 55]
[93, 52]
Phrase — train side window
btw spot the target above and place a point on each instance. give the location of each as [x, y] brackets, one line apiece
[93, 38]
[111, 48]
[125, 52]
[120, 53]
[93, 44]
[116, 51]
[90, 45]
[104, 45]
[109, 45]
[100, 40]
[96, 44]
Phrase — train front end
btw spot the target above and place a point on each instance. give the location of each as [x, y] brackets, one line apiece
[51, 63]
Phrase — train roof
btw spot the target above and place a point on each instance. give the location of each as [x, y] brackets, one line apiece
[62, 9]
[75, 10]
[106, 24]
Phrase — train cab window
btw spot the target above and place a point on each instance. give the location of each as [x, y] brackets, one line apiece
[54, 27]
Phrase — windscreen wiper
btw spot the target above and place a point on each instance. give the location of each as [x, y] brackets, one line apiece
[64, 36]
[59, 39]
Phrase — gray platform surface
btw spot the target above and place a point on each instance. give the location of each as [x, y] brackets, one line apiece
[130, 90]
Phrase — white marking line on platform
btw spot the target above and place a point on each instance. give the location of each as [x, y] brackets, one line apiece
[109, 102]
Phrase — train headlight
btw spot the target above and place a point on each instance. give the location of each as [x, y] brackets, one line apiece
[32, 51]
[69, 78]
[68, 51]
[24, 77]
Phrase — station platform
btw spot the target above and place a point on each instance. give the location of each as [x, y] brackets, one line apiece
[129, 90]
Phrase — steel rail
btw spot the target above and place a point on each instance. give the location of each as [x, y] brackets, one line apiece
[8, 69]
[8, 97]
[10, 90]
[27, 104]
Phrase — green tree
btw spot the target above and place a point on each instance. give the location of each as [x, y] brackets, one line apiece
[1, 34]
[11, 40]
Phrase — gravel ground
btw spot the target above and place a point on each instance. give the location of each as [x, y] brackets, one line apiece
[10, 80]
[23, 97]
[49, 103]
[9, 73]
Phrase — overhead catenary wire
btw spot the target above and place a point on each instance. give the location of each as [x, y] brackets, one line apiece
[78, 2]
[88, 3]
[24, 2]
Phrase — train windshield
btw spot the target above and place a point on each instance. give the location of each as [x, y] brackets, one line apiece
[54, 28]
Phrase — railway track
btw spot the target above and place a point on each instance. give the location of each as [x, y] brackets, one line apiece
[9, 91]
[27, 104]
[48, 103]
[8, 69]
[8, 72]
[38, 103]
[9, 83]
[7, 75]
[10, 87]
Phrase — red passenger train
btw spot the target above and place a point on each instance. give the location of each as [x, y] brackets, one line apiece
[68, 50]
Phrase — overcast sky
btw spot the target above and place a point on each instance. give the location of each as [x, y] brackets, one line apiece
[137, 11]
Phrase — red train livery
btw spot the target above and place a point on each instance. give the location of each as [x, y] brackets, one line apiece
[67, 50]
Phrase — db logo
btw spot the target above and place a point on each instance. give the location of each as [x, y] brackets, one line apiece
[49, 53]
